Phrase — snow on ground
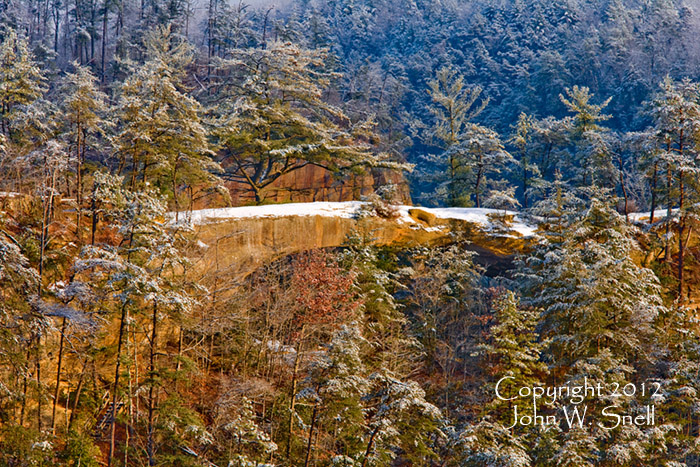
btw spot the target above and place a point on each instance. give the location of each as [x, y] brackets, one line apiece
[346, 209]
[480, 216]
[349, 210]
[659, 213]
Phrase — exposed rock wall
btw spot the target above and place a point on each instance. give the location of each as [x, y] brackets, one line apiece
[241, 245]
[238, 246]
[313, 183]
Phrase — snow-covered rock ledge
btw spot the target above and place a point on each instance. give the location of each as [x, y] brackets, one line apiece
[349, 210]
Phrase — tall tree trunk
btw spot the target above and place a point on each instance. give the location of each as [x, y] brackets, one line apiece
[669, 212]
[66, 29]
[120, 340]
[264, 35]
[39, 392]
[95, 215]
[293, 393]
[77, 394]
[681, 247]
[653, 192]
[93, 20]
[120, 19]
[314, 413]
[23, 406]
[622, 186]
[210, 36]
[115, 386]
[133, 407]
[681, 218]
[56, 22]
[152, 392]
[58, 375]
[45, 23]
[453, 182]
[45, 221]
[105, 20]
[175, 199]
[477, 186]
[369, 446]
[79, 180]
[525, 187]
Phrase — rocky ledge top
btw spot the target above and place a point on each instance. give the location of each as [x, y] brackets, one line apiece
[411, 215]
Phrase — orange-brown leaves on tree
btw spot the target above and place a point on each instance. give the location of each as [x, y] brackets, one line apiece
[325, 294]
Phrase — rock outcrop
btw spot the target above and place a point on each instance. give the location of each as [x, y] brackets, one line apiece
[313, 183]
[238, 245]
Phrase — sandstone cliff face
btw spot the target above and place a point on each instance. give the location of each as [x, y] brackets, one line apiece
[238, 246]
[313, 183]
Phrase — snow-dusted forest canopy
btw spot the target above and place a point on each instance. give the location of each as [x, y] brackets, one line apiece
[147, 317]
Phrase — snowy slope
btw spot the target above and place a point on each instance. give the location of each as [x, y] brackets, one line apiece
[348, 210]
[659, 214]
[480, 216]
[325, 209]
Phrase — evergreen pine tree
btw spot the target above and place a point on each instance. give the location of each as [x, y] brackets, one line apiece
[21, 80]
[161, 135]
[599, 308]
[278, 120]
[397, 417]
[592, 162]
[676, 111]
[471, 152]
[530, 171]
[512, 357]
[83, 106]
[19, 284]
[334, 390]
[137, 280]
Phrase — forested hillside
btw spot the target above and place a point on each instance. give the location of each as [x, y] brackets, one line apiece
[137, 329]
